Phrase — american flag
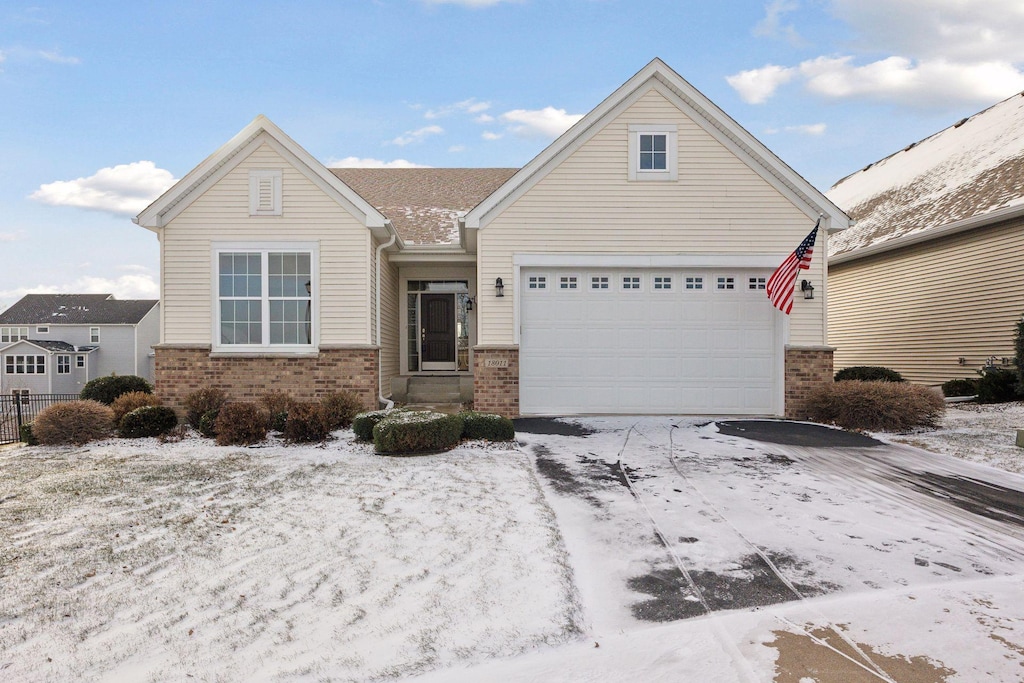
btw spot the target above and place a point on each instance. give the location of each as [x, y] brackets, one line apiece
[782, 282]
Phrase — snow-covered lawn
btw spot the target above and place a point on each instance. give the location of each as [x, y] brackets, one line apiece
[651, 549]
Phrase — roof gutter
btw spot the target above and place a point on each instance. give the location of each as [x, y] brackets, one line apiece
[929, 234]
[388, 403]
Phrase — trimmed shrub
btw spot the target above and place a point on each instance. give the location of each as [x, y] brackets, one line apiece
[277, 404]
[176, 435]
[73, 422]
[126, 403]
[960, 387]
[868, 373]
[486, 426]
[26, 436]
[306, 423]
[876, 406]
[997, 385]
[406, 433]
[241, 424]
[147, 421]
[107, 389]
[201, 402]
[208, 424]
[363, 423]
[340, 408]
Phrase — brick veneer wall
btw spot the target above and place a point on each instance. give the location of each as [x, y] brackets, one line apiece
[179, 370]
[806, 369]
[496, 389]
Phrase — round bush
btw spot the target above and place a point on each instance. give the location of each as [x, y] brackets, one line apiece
[960, 387]
[107, 389]
[868, 373]
[486, 426]
[363, 423]
[126, 403]
[876, 406]
[340, 408]
[997, 386]
[306, 423]
[411, 432]
[147, 421]
[73, 422]
[277, 405]
[201, 402]
[241, 424]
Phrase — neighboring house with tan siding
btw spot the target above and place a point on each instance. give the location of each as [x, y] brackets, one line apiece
[930, 279]
[620, 271]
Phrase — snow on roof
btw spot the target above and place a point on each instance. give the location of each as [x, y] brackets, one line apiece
[76, 309]
[972, 168]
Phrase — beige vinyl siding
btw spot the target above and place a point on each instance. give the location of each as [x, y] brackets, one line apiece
[390, 330]
[221, 214]
[718, 205]
[921, 308]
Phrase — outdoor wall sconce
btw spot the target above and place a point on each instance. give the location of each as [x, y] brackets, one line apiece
[469, 303]
[807, 288]
[499, 288]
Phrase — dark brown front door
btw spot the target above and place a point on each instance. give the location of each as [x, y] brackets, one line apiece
[437, 336]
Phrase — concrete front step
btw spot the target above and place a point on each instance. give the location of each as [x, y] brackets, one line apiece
[432, 389]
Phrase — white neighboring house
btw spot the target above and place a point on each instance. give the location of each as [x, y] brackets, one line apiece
[55, 343]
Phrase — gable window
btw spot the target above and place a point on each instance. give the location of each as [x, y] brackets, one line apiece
[264, 298]
[25, 365]
[13, 334]
[662, 282]
[568, 282]
[265, 192]
[94, 335]
[631, 282]
[652, 152]
[63, 365]
[537, 282]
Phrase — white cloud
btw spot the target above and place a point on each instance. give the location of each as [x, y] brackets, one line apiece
[56, 57]
[137, 286]
[412, 136]
[803, 129]
[10, 237]
[489, 135]
[124, 190]
[484, 118]
[470, 106]
[455, 149]
[357, 162]
[757, 85]
[547, 122]
[771, 26]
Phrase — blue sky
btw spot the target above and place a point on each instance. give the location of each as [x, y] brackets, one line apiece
[103, 104]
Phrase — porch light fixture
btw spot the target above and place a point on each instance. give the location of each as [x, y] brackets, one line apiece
[469, 303]
[807, 288]
[499, 288]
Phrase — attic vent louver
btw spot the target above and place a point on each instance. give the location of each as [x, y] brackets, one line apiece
[265, 192]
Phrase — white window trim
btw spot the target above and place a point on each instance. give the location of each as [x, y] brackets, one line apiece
[672, 282]
[569, 289]
[539, 280]
[258, 177]
[622, 283]
[67, 364]
[609, 285]
[24, 363]
[94, 335]
[725, 285]
[670, 131]
[13, 334]
[313, 249]
[42, 329]
[79, 361]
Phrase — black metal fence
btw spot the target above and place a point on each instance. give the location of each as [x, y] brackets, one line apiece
[19, 409]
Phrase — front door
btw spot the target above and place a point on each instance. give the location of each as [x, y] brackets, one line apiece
[437, 331]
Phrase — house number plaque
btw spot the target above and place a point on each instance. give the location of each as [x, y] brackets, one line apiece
[496, 362]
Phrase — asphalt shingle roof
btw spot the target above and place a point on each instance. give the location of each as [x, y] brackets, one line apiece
[424, 203]
[972, 168]
[76, 309]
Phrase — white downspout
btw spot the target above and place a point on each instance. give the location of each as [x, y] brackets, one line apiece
[388, 403]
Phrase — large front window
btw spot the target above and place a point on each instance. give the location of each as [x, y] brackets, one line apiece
[264, 298]
[25, 365]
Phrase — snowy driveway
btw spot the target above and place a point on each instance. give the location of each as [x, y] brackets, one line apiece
[917, 554]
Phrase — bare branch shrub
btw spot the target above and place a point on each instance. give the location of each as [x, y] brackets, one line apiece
[73, 422]
[876, 406]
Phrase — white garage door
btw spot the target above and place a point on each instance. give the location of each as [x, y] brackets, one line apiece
[697, 341]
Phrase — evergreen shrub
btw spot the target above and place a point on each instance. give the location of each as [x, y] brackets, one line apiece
[363, 423]
[203, 401]
[486, 426]
[997, 385]
[868, 373]
[411, 432]
[107, 389]
[126, 403]
[147, 421]
[960, 387]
